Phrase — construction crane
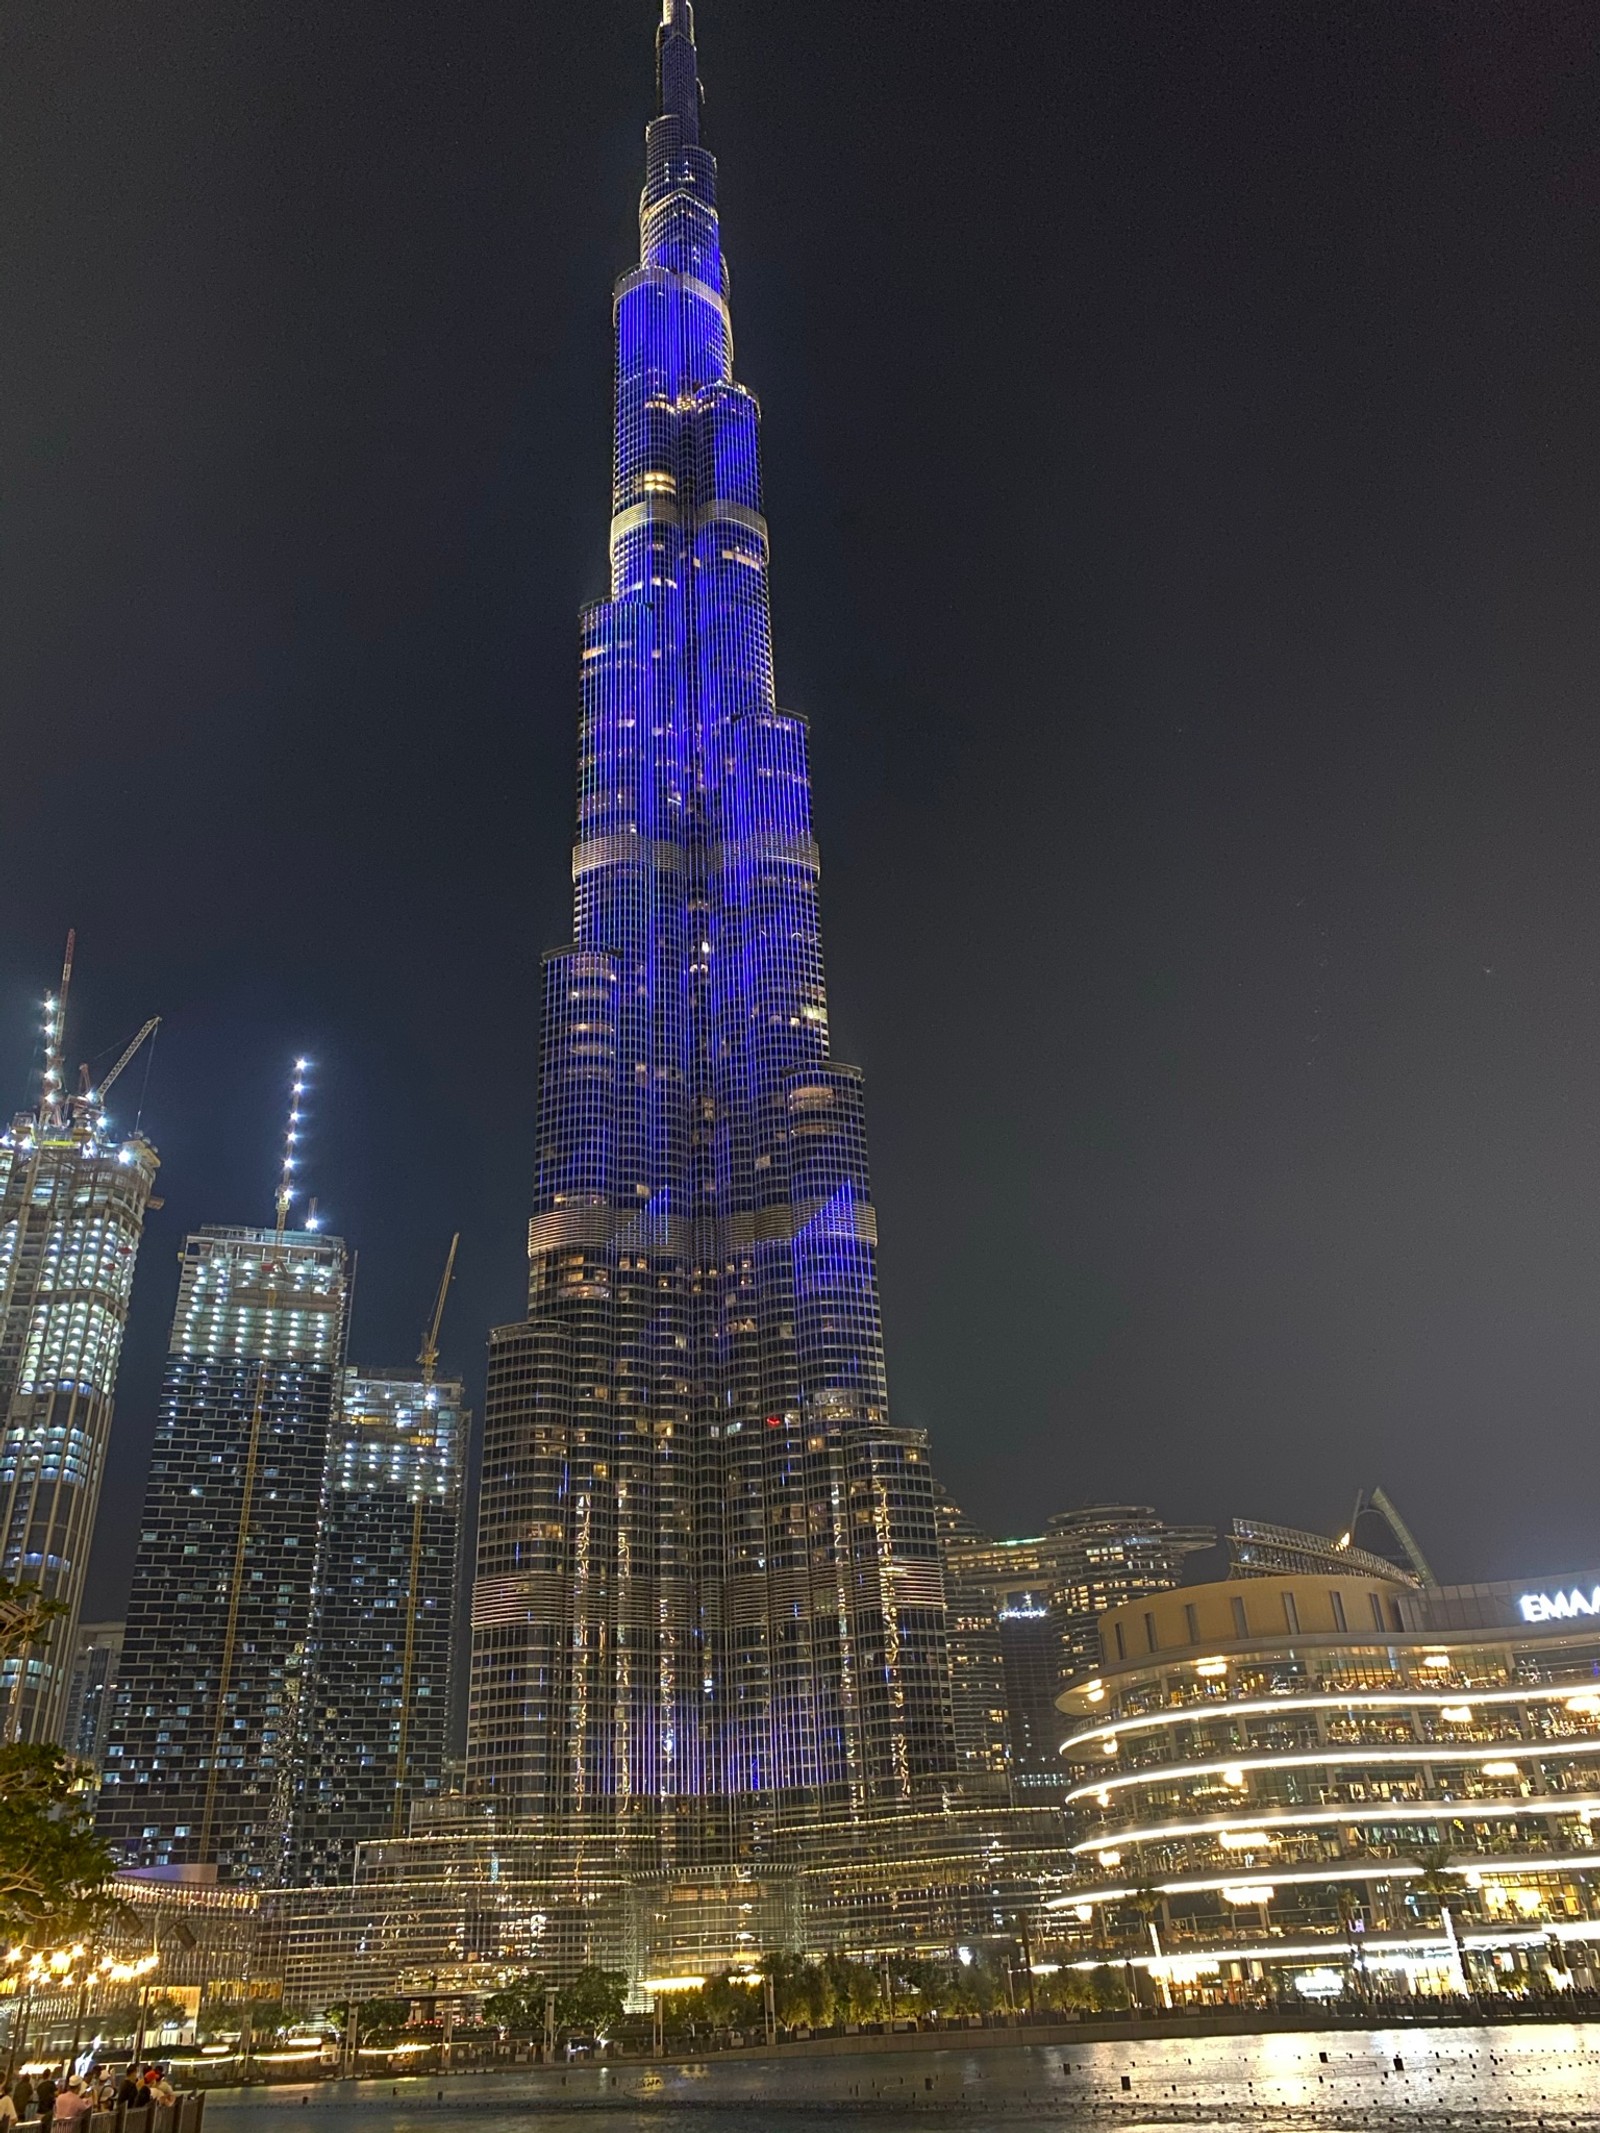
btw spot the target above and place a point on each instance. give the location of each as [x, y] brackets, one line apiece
[429, 1358]
[428, 1361]
[98, 1094]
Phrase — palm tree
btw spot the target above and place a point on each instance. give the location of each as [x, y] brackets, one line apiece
[1350, 1921]
[1436, 1879]
[1148, 1901]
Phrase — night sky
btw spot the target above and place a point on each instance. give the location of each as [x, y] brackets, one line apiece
[1184, 468]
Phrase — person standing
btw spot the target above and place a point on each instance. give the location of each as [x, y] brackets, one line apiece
[72, 2103]
[44, 2099]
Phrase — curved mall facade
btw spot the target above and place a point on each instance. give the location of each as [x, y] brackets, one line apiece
[1290, 1778]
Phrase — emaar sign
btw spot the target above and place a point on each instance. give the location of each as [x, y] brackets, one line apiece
[1559, 1606]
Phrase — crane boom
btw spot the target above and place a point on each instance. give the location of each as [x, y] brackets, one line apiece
[429, 1358]
[149, 1030]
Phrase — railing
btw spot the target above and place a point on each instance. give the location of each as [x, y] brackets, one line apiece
[186, 2114]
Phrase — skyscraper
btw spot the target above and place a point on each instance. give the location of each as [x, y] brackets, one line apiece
[708, 1581]
[72, 1207]
[200, 1766]
[376, 1710]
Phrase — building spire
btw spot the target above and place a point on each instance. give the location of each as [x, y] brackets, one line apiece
[677, 80]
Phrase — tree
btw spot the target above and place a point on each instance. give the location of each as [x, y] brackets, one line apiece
[373, 2017]
[855, 1990]
[518, 2006]
[1436, 1879]
[55, 1874]
[593, 2002]
[730, 2003]
[223, 2020]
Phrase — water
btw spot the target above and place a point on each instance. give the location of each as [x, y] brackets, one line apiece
[1464, 2079]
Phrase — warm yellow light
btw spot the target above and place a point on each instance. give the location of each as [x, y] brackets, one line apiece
[671, 1984]
[1501, 1770]
[1095, 1695]
[1083, 1912]
[1245, 1840]
[1585, 1706]
[1109, 1747]
[1109, 1859]
[1234, 1776]
[1248, 1892]
[1436, 1659]
[1211, 1669]
[1459, 1714]
[1102, 1799]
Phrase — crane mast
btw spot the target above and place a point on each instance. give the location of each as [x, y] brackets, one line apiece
[428, 1361]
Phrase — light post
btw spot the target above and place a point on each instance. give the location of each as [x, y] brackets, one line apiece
[1027, 1964]
[660, 1988]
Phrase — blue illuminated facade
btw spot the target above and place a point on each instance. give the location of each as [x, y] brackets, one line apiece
[708, 1567]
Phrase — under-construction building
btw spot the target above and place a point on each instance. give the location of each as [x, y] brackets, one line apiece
[199, 1766]
[73, 1196]
[375, 1714]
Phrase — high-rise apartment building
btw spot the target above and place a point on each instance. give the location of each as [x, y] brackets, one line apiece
[96, 1657]
[708, 1582]
[376, 1710]
[199, 1767]
[1025, 1612]
[1105, 1556]
[73, 1197]
[979, 1703]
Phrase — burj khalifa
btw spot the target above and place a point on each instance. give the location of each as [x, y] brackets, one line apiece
[708, 1591]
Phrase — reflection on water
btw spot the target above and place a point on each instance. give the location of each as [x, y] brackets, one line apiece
[1345, 2081]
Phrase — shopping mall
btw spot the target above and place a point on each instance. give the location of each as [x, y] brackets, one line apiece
[1330, 1784]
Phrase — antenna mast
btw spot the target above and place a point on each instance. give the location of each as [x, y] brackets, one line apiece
[291, 1140]
[52, 1110]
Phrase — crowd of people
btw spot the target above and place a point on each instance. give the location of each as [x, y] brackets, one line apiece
[58, 2098]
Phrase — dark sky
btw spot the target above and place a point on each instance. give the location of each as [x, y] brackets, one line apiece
[1183, 460]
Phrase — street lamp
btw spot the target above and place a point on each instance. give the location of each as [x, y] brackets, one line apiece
[660, 1988]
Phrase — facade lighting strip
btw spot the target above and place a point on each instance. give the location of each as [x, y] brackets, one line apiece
[1552, 1804]
[1370, 1952]
[1364, 1700]
[1423, 1752]
[1497, 1869]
